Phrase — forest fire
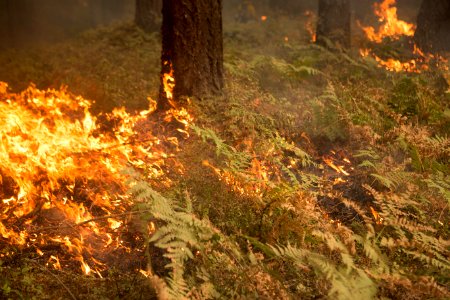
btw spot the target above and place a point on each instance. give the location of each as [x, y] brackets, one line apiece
[255, 185]
[392, 28]
[60, 173]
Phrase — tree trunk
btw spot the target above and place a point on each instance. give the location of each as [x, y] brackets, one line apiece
[334, 23]
[192, 45]
[290, 7]
[148, 15]
[433, 25]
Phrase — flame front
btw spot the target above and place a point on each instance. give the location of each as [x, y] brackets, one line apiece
[60, 171]
[310, 24]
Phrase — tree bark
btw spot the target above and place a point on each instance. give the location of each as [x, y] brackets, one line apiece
[334, 23]
[148, 15]
[433, 25]
[192, 46]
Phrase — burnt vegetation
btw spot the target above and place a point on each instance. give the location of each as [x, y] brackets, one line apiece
[290, 165]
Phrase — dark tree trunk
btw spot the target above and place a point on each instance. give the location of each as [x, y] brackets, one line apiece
[290, 7]
[113, 10]
[433, 25]
[192, 44]
[148, 15]
[334, 22]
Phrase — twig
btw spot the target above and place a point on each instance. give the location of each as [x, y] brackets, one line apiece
[59, 280]
[93, 220]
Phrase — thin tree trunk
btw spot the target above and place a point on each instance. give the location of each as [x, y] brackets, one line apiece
[334, 23]
[192, 45]
[433, 25]
[148, 15]
[112, 10]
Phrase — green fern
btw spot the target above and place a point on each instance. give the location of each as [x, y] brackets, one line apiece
[346, 283]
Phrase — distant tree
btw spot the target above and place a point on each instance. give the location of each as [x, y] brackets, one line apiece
[433, 25]
[334, 21]
[148, 15]
[113, 10]
[192, 45]
[20, 21]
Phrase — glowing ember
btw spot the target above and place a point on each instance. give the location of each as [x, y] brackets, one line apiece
[310, 24]
[421, 63]
[390, 26]
[60, 171]
[169, 84]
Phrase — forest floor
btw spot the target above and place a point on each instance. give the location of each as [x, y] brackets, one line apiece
[318, 173]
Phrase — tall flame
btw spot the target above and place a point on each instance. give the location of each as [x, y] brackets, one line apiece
[390, 26]
[393, 28]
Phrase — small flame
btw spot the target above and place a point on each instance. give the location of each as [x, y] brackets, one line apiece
[114, 224]
[310, 24]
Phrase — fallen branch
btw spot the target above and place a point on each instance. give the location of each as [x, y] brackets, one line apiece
[57, 278]
[92, 220]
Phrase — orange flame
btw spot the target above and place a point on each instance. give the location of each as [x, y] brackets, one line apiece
[391, 26]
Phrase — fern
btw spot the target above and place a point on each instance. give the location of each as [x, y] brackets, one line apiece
[348, 283]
